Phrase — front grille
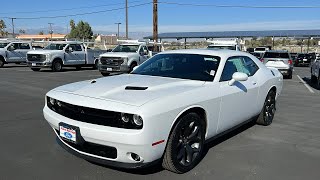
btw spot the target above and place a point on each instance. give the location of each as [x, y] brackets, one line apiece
[113, 61]
[95, 149]
[36, 57]
[91, 115]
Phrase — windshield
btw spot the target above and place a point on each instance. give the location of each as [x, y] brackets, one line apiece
[3, 45]
[126, 48]
[276, 55]
[55, 47]
[183, 66]
[222, 47]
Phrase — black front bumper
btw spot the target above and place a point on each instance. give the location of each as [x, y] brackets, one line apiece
[110, 69]
[106, 162]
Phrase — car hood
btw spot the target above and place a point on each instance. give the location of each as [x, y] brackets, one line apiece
[117, 54]
[43, 51]
[130, 89]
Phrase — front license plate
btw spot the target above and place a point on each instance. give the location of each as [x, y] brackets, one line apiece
[305, 59]
[68, 133]
[34, 64]
[109, 69]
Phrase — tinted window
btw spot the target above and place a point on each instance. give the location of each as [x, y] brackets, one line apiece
[276, 55]
[15, 45]
[55, 47]
[126, 48]
[222, 47]
[260, 49]
[183, 66]
[2, 45]
[75, 47]
[24, 46]
[238, 64]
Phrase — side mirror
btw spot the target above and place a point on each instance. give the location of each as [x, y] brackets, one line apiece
[11, 48]
[134, 68]
[238, 76]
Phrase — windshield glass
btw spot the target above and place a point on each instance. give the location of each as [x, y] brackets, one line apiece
[222, 47]
[126, 48]
[183, 66]
[55, 47]
[2, 45]
[276, 55]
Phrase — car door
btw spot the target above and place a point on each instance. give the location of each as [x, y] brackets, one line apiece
[13, 55]
[238, 102]
[143, 56]
[79, 54]
[71, 57]
[22, 51]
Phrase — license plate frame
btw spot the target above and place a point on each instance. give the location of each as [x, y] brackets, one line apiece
[70, 133]
[34, 64]
[109, 69]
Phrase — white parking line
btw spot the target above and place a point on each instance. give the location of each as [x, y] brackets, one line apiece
[305, 84]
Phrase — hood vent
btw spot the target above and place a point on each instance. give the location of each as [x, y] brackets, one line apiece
[135, 88]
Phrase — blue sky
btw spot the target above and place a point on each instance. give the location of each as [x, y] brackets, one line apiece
[172, 18]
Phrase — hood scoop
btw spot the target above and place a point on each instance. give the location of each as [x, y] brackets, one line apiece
[135, 88]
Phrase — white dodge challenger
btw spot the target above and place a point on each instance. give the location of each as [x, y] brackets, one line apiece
[165, 110]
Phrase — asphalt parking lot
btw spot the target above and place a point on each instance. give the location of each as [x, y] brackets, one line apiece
[287, 149]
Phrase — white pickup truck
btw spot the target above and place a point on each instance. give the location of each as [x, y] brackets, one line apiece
[13, 51]
[65, 53]
[123, 58]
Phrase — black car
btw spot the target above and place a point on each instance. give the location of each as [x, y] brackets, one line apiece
[303, 59]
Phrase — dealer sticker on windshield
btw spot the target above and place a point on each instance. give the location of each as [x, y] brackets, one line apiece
[68, 133]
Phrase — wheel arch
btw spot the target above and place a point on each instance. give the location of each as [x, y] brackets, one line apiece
[57, 59]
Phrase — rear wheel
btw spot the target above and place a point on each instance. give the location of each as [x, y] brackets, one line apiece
[1, 63]
[35, 69]
[269, 108]
[105, 74]
[56, 66]
[185, 144]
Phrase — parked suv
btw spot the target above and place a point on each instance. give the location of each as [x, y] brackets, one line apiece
[303, 60]
[280, 60]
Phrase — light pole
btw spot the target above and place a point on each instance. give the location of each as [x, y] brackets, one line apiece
[51, 32]
[118, 29]
[127, 19]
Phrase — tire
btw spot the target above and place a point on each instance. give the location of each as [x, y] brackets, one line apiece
[134, 64]
[56, 66]
[318, 82]
[313, 79]
[105, 74]
[185, 144]
[269, 108]
[290, 75]
[1, 62]
[96, 64]
[35, 69]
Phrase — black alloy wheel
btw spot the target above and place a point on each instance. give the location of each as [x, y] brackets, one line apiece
[56, 66]
[267, 114]
[185, 144]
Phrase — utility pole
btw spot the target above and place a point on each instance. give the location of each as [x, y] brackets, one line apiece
[127, 19]
[155, 24]
[118, 29]
[12, 26]
[51, 31]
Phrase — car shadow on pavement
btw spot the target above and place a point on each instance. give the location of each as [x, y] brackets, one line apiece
[68, 70]
[14, 66]
[157, 167]
[308, 81]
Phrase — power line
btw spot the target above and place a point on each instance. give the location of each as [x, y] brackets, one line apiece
[81, 14]
[240, 6]
[67, 9]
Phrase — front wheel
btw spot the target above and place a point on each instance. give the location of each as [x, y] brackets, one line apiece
[185, 144]
[313, 79]
[56, 66]
[269, 108]
[105, 74]
[35, 69]
[1, 63]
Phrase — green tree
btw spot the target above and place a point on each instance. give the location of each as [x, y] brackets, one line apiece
[72, 24]
[2, 28]
[81, 31]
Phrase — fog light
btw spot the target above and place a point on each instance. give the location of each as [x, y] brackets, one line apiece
[137, 120]
[124, 117]
[135, 157]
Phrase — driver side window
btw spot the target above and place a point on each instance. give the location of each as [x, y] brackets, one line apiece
[234, 64]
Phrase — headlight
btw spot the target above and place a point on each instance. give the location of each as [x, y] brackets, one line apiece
[137, 120]
[132, 119]
[125, 60]
[52, 101]
[47, 56]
